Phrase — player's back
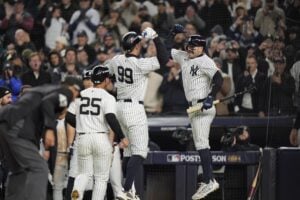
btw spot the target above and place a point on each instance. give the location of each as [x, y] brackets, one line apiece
[131, 75]
[91, 109]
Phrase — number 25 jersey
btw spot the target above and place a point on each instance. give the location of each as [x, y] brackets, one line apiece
[132, 75]
[91, 109]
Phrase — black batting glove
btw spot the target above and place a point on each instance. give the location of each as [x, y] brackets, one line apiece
[208, 103]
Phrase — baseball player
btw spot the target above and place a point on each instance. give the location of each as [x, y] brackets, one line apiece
[201, 81]
[95, 113]
[131, 82]
[115, 175]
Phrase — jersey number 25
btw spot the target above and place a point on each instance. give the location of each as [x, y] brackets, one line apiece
[89, 106]
[125, 74]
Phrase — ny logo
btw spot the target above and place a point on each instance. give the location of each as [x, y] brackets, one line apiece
[194, 70]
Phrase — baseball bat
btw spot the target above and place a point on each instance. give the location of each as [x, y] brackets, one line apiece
[253, 188]
[198, 107]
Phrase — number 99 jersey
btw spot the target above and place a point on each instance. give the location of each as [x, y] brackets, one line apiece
[131, 75]
[91, 109]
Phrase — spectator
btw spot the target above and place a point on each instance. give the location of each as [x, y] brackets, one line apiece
[190, 29]
[87, 19]
[171, 88]
[222, 107]
[242, 30]
[180, 7]
[254, 6]
[277, 98]
[82, 43]
[70, 67]
[55, 66]
[267, 18]
[5, 97]
[36, 76]
[192, 17]
[61, 44]
[231, 66]
[115, 24]
[214, 13]
[102, 57]
[142, 16]
[128, 10]
[110, 45]
[295, 133]
[102, 7]
[22, 42]
[163, 21]
[83, 59]
[248, 103]
[100, 34]
[292, 13]
[216, 46]
[55, 26]
[293, 37]
[18, 19]
[10, 81]
[68, 7]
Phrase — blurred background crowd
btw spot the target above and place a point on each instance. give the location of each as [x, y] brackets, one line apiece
[253, 42]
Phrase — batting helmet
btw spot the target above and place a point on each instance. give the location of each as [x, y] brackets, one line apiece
[129, 40]
[86, 74]
[196, 41]
[99, 74]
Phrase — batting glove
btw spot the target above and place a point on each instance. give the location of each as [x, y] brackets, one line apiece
[208, 103]
[149, 34]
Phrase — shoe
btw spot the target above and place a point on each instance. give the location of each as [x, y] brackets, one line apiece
[126, 196]
[205, 189]
[75, 195]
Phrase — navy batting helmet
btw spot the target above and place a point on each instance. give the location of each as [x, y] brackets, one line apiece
[86, 74]
[129, 40]
[99, 74]
[196, 41]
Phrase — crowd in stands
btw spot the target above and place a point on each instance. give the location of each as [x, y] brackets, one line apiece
[254, 43]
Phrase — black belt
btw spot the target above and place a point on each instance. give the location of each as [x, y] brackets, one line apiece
[198, 101]
[130, 101]
[93, 132]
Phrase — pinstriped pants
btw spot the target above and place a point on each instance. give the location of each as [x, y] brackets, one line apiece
[94, 160]
[133, 120]
[201, 124]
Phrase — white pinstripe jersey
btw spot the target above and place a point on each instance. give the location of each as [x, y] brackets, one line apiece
[131, 75]
[72, 106]
[91, 109]
[197, 74]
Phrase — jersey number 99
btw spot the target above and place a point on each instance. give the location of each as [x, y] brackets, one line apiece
[125, 74]
[89, 106]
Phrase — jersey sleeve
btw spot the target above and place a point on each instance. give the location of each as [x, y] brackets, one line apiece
[209, 68]
[178, 56]
[110, 65]
[109, 105]
[72, 108]
[148, 65]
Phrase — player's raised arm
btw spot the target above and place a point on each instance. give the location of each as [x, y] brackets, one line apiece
[162, 53]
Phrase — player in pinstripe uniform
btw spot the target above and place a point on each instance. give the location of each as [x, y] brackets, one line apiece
[95, 113]
[131, 82]
[201, 81]
[115, 175]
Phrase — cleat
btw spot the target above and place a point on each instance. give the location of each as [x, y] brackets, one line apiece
[205, 189]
